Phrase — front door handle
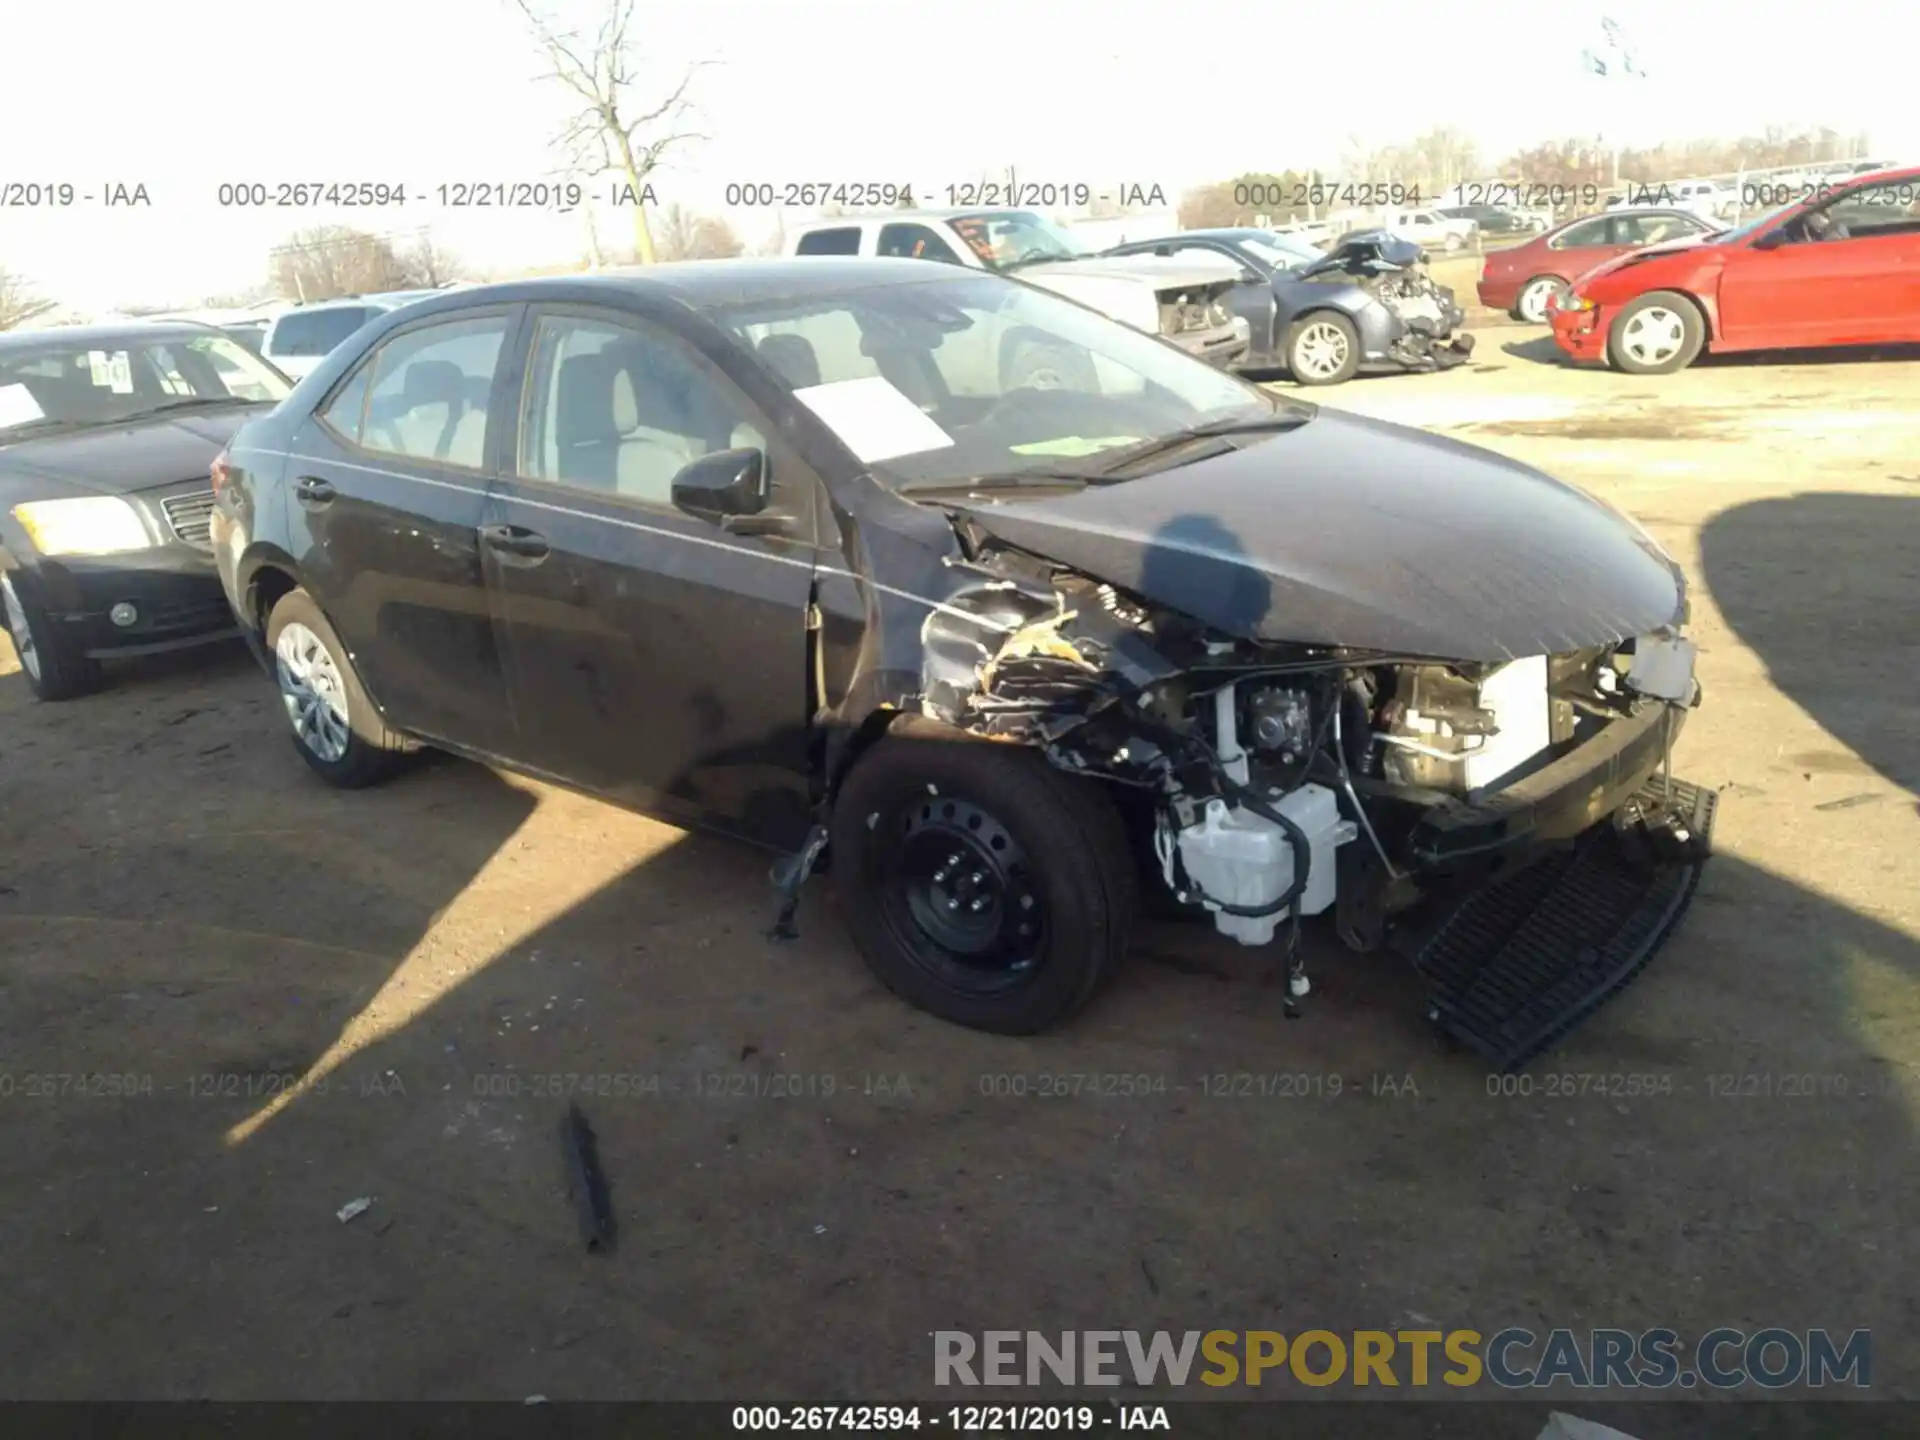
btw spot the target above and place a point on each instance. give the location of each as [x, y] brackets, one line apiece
[312, 490]
[515, 542]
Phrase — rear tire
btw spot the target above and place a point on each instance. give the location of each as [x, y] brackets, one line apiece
[1531, 306]
[334, 724]
[54, 669]
[1323, 348]
[979, 883]
[1656, 334]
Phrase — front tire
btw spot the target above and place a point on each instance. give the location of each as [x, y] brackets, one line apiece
[1323, 349]
[1656, 334]
[981, 884]
[335, 726]
[54, 669]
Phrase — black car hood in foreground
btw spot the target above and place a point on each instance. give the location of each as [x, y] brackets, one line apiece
[134, 455]
[1354, 532]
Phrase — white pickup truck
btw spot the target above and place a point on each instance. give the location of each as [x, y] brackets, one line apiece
[1179, 298]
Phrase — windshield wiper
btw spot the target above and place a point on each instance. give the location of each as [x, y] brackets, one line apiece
[1035, 256]
[1276, 421]
[44, 426]
[184, 402]
[991, 482]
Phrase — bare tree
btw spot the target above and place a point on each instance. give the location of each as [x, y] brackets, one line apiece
[18, 302]
[776, 243]
[427, 265]
[606, 136]
[687, 236]
[333, 260]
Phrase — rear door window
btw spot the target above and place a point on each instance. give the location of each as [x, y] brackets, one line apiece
[915, 242]
[428, 393]
[1586, 233]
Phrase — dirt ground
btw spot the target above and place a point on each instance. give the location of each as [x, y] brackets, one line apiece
[810, 1177]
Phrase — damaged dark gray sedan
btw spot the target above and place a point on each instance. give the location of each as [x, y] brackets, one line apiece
[775, 548]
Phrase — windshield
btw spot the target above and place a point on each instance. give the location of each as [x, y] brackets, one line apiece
[1758, 223]
[949, 379]
[98, 382]
[1280, 251]
[1005, 239]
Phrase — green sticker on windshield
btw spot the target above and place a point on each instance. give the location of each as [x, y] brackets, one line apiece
[1074, 445]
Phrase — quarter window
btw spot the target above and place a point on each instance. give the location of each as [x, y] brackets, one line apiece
[429, 393]
[622, 408]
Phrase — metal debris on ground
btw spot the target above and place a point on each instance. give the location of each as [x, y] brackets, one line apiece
[354, 1208]
[586, 1182]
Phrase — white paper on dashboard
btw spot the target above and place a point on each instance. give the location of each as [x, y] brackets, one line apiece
[17, 405]
[875, 419]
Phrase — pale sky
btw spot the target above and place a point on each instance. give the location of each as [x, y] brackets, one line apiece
[431, 91]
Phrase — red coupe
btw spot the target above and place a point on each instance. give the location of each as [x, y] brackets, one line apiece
[1521, 280]
[1842, 268]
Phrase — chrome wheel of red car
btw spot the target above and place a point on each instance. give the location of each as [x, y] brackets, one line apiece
[1656, 334]
[1532, 304]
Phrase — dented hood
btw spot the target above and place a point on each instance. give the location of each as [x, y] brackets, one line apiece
[1354, 532]
[1367, 252]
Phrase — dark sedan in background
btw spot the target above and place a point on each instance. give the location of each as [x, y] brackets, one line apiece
[1364, 306]
[106, 435]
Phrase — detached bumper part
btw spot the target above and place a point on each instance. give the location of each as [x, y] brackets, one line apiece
[1418, 350]
[1556, 802]
[1516, 965]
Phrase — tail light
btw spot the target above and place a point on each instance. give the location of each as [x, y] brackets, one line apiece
[221, 472]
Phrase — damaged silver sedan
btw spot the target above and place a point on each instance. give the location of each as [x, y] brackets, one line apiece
[781, 548]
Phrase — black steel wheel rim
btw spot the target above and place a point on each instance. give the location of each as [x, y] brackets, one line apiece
[959, 896]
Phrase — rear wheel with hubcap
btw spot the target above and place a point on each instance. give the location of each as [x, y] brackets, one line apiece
[1656, 334]
[1323, 349]
[335, 726]
[54, 670]
[1532, 304]
[980, 883]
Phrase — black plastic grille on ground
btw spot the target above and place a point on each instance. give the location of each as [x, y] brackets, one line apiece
[1521, 962]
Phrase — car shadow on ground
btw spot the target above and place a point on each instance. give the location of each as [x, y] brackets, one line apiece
[460, 957]
[1855, 556]
[1542, 350]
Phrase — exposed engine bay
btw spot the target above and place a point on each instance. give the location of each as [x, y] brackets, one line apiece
[1256, 765]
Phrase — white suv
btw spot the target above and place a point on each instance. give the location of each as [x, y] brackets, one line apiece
[301, 337]
[1182, 300]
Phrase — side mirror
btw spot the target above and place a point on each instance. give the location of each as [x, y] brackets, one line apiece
[723, 486]
[1772, 240]
[1163, 249]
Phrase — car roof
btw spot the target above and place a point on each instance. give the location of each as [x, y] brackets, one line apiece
[703, 283]
[1674, 210]
[888, 217]
[142, 332]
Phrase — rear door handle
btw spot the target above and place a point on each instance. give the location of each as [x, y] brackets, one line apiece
[312, 490]
[515, 541]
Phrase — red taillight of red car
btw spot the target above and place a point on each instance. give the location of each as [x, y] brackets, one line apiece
[221, 472]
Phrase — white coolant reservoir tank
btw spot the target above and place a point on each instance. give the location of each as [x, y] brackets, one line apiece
[1240, 858]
